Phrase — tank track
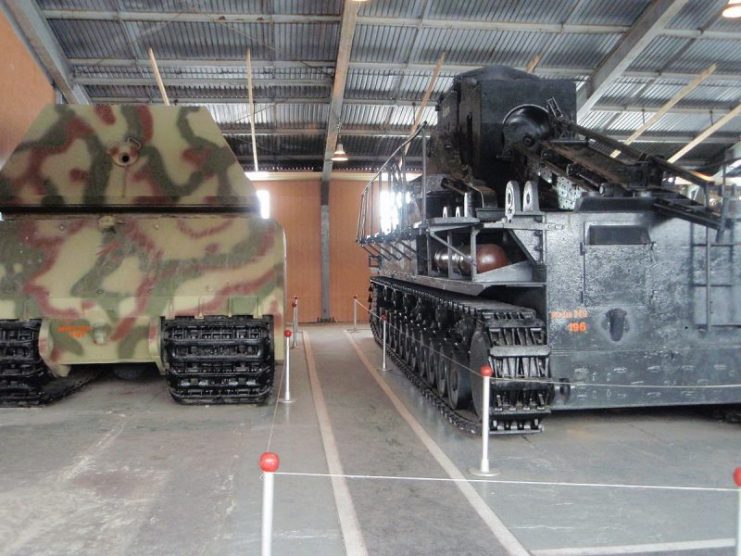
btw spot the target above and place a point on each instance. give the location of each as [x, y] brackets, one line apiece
[219, 360]
[25, 379]
[420, 316]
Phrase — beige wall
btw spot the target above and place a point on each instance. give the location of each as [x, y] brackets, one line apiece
[348, 270]
[24, 89]
[296, 205]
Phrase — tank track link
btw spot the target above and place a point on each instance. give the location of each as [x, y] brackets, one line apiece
[25, 379]
[219, 360]
[517, 406]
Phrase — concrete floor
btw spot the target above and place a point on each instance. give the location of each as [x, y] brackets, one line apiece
[119, 468]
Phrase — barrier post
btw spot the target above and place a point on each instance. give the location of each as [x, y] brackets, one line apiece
[354, 313]
[737, 480]
[295, 321]
[269, 463]
[483, 470]
[384, 319]
[287, 369]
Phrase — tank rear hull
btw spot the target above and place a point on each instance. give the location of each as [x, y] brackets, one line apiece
[102, 284]
[626, 311]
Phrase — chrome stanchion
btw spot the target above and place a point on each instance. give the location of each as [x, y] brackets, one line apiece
[295, 321]
[483, 470]
[384, 320]
[354, 313]
[287, 370]
[269, 463]
[737, 480]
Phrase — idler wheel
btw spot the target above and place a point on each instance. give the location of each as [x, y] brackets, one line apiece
[480, 345]
[459, 381]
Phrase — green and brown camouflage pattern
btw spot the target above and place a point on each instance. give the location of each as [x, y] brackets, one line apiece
[101, 252]
[127, 155]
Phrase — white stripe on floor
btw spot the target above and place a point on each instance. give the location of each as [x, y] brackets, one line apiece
[638, 548]
[500, 531]
[351, 534]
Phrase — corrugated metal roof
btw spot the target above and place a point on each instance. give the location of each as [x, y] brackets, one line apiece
[553, 11]
[598, 119]
[370, 84]
[308, 7]
[375, 43]
[700, 54]
[360, 115]
[197, 40]
[660, 52]
[212, 52]
[393, 8]
[301, 115]
[608, 12]
[698, 14]
[580, 50]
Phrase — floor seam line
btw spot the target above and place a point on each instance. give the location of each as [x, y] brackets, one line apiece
[349, 524]
[505, 537]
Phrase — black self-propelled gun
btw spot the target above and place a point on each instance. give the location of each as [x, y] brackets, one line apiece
[586, 273]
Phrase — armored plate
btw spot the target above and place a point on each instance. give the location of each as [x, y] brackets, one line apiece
[124, 156]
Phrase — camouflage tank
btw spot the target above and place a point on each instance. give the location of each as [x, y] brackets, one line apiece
[130, 234]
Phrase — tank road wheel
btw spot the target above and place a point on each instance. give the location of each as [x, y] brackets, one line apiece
[397, 333]
[433, 362]
[443, 369]
[480, 345]
[403, 340]
[413, 352]
[459, 381]
[391, 331]
[423, 357]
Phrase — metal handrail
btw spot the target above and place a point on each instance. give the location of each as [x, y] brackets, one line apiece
[367, 202]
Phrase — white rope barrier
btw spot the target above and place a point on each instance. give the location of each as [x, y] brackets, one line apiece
[507, 482]
[568, 384]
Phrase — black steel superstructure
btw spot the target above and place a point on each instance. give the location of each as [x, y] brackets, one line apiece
[574, 265]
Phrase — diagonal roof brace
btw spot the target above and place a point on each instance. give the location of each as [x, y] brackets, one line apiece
[649, 25]
[347, 31]
[40, 37]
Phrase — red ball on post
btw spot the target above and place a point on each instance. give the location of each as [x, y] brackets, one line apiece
[737, 476]
[384, 317]
[486, 370]
[269, 462]
[287, 333]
